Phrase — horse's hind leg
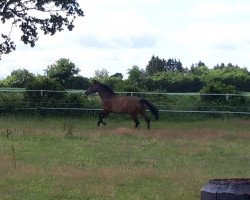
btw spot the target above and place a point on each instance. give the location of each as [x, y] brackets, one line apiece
[146, 119]
[134, 117]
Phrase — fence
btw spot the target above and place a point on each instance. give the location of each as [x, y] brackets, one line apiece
[20, 100]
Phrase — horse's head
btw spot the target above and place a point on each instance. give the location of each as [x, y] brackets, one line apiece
[93, 87]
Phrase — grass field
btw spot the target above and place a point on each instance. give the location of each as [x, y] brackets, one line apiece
[68, 158]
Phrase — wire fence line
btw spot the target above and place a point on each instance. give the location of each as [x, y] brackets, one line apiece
[168, 111]
[160, 99]
[246, 94]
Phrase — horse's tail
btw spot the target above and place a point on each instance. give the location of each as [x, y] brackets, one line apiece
[151, 108]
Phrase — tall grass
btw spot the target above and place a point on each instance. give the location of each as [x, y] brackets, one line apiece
[68, 158]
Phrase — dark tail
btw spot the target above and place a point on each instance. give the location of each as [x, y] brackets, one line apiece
[151, 108]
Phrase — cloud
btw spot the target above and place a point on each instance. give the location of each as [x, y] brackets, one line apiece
[219, 8]
[226, 47]
[117, 41]
[118, 29]
[113, 34]
[119, 34]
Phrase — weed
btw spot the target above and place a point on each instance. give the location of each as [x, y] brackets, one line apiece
[6, 133]
[13, 155]
[68, 128]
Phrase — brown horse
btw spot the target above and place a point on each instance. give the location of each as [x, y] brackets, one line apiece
[131, 105]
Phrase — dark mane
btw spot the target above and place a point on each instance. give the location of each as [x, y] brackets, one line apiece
[106, 87]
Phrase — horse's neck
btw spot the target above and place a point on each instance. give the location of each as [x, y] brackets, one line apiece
[105, 95]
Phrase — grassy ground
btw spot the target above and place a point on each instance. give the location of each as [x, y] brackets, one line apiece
[66, 158]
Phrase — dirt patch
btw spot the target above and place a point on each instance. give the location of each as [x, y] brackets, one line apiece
[168, 133]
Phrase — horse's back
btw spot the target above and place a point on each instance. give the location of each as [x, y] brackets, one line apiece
[125, 104]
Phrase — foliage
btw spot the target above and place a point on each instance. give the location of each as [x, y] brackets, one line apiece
[238, 77]
[30, 15]
[170, 79]
[19, 78]
[101, 74]
[43, 83]
[199, 70]
[41, 98]
[218, 88]
[63, 71]
[78, 83]
[2, 83]
[117, 75]
[9, 102]
[63, 74]
[157, 64]
[76, 100]
[136, 77]
[174, 82]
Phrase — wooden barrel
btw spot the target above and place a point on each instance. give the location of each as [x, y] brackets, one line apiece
[226, 189]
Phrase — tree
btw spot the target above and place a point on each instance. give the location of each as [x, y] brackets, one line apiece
[155, 65]
[78, 83]
[50, 16]
[199, 64]
[217, 87]
[229, 66]
[19, 78]
[136, 79]
[62, 71]
[101, 74]
[173, 65]
[117, 75]
[199, 70]
[46, 97]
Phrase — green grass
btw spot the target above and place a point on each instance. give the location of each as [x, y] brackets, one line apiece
[68, 158]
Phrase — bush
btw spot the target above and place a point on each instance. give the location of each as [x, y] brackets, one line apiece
[46, 97]
[229, 101]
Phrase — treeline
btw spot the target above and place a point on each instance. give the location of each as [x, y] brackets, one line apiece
[159, 75]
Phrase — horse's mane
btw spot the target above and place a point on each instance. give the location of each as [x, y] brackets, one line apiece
[106, 87]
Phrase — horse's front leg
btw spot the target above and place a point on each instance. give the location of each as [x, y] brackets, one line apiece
[101, 116]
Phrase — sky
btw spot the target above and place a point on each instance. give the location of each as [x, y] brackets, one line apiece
[115, 35]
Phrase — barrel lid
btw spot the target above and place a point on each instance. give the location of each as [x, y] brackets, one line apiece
[230, 181]
[233, 186]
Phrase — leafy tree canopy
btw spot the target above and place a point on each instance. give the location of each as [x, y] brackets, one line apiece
[19, 78]
[101, 74]
[229, 66]
[199, 64]
[157, 64]
[62, 71]
[29, 15]
[199, 69]
[135, 73]
[117, 75]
